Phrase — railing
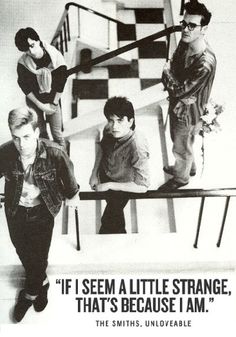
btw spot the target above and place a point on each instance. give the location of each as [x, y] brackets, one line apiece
[185, 193]
[154, 194]
[63, 35]
[165, 32]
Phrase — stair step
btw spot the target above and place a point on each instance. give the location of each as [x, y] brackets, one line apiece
[156, 49]
[126, 32]
[147, 62]
[151, 67]
[129, 252]
[149, 82]
[96, 73]
[124, 71]
[90, 89]
[149, 15]
[124, 87]
[145, 29]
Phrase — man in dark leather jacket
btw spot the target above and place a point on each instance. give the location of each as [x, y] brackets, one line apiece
[38, 176]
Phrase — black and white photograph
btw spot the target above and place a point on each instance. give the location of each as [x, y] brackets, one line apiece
[117, 167]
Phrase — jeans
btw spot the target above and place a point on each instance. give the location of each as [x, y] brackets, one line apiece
[183, 138]
[113, 220]
[31, 232]
[55, 123]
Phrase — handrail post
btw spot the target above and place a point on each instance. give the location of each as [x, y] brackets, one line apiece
[223, 221]
[199, 222]
[65, 37]
[77, 229]
[61, 43]
[168, 48]
[108, 34]
[78, 22]
[68, 26]
[65, 217]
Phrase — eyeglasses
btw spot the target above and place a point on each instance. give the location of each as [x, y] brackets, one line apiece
[191, 26]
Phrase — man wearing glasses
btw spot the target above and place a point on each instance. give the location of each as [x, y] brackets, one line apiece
[188, 79]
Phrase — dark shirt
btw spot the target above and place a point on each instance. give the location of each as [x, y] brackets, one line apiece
[28, 81]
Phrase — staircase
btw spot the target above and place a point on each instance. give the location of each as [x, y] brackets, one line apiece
[143, 71]
[150, 253]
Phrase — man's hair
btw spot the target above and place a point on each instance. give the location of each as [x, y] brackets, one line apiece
[120, 107]
[22, 36]
[22, 116]
[196, 8]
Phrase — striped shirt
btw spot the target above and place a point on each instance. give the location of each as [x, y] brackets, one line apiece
[189, 81]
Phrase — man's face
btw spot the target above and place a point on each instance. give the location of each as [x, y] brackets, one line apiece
[119, 127]
[35, 50]
[195, 31]
[25, 139]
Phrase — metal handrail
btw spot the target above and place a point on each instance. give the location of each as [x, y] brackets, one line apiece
[64, 29]
[121, 50]
[155, 194]
[64, 24]
[67, 6]
[185, 193]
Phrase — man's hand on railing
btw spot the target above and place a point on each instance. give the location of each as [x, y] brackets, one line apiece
[103, 187]
[129, 186]
[73, 202]
[93, 181]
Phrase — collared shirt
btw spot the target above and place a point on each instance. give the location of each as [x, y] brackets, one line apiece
[189, 82]
[125, 159]
[52, 172]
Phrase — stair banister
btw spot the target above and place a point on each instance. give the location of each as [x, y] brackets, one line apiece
[124, 49]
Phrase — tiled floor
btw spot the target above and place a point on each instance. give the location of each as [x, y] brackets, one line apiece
[146, 65]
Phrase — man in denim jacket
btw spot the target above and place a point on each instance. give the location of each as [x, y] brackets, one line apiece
[38, 176]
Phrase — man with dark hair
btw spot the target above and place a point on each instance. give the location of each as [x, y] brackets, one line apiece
[42, 77]
[38, 176]
[121, 163]
[188, 80]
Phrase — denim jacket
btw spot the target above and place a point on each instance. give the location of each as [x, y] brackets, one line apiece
[52, 171]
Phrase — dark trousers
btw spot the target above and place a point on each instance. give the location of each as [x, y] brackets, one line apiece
[31, 232]
[113, 220]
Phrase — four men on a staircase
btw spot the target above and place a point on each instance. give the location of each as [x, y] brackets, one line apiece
[39, 174]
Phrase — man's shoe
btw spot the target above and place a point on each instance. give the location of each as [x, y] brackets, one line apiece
[21, 307]
[41, 300]
[171, 185]
[170, 170]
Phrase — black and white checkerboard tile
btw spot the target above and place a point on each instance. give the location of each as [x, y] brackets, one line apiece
[147, 61]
